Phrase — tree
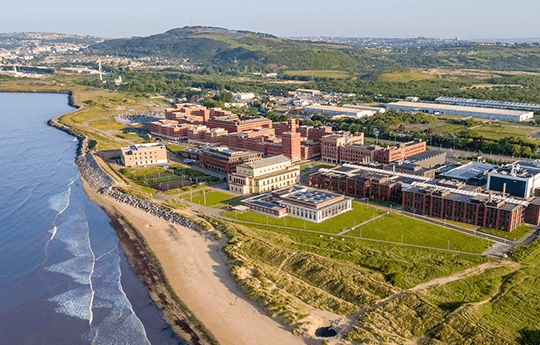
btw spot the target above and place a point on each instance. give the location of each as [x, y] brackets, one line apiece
[516, 150]
[526, 151]
[225, 96]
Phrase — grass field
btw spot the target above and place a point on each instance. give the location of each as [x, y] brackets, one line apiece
[319, 74]
[515, 313]
[463, 225]
[357, 215]
[290, 272]
[306, 170]
[174, 147]
[149, 176]
[212, 198]
[392, 226]
[515, 235]
[499, 131]
[404, 76]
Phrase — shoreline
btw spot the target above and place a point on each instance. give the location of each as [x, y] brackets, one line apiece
[140, 257]
[176, 261]
[148, 269]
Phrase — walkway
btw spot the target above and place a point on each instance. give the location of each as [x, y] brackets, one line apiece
[499, 249]
[364, 223]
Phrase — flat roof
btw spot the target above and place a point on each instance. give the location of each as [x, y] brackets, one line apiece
[487, 102]
[425, 154]
[136, 147]
[268, 161]
[362, 107]
[468, 171]
[311, 196]
[435, 106]
[337, 109]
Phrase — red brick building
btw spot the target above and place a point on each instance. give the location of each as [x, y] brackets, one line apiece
[235, 124]
[169, 129]
[472, 208]
[360, 184]
[197, 133]
[225, 160]
[310, 149]
[214, 135]
[400, 151]
[331, 144]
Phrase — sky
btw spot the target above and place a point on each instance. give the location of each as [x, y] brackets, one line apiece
[376, 18]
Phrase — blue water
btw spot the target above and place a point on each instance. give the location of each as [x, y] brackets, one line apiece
[63, 277]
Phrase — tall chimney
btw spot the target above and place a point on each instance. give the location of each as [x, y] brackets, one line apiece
[504, 189]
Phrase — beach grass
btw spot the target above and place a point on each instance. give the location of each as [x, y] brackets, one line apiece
[472, 289]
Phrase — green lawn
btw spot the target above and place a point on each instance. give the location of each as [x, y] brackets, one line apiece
[404, 76]
[321, 165]
[212, 198]
[157, 174]
[402, 265]
[501, 130]
[463, 225]
[174, 147]
[357, 215]
[515, 235]
[392, 226]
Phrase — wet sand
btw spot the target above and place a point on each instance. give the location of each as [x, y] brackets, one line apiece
[198, 273]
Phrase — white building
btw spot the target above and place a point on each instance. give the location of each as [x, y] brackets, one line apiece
[486, 103]
[264, 175]
[364, 107]
[331, 111]
[300, 202]
[144, 154]
[439, 109]
[243, 96]
[520, 178]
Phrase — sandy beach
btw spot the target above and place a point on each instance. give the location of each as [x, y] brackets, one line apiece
[198, 273]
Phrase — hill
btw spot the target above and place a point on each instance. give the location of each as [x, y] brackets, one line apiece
[218, 45]
[211, 45]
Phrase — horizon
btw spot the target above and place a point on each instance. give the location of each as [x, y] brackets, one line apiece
[483, 19]
[474, 39]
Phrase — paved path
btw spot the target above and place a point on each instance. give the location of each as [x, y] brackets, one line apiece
[526, 240]
[364, 223]
[498, 250]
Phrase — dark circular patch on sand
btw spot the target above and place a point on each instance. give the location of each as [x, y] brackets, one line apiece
[325, 332]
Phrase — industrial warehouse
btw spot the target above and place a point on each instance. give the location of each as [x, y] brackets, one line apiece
[486, 103]
[440, 109]
[353, 111]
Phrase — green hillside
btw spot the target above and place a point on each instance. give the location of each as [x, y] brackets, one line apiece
[216, 45]
[210, 45]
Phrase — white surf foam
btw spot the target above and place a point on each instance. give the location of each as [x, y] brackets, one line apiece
[100, 285]
[74, 302]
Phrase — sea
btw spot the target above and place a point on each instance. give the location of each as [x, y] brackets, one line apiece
[63, 277]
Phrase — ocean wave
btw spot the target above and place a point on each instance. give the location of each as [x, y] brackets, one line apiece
[59, 202]
[100, 287]
[74, 302]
